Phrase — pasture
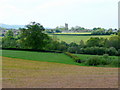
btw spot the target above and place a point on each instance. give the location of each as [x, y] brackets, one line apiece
[49, 57]
[21, 73]
[76, 39]
[39, 56]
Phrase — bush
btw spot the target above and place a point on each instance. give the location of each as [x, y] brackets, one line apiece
[105, 56]
[76, 59]
[116, 63]
[72, 49]
[104, 61]
[112, 51]
[93, 61]
[118, 52]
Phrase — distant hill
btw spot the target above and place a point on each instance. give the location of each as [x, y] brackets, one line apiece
[11, 26]
[15, 26]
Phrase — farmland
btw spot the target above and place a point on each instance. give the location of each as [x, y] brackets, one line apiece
[38, 56]
[20, 73]
[22, 69]
[76, 39]
[48, 57]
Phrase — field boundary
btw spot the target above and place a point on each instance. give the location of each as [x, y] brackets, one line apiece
[30, 50]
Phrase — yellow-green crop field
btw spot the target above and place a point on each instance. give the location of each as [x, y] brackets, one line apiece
[75, 33]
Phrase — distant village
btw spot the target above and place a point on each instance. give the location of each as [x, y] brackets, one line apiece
[63, 29]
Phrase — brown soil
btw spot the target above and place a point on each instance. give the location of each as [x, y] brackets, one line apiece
[19, 73]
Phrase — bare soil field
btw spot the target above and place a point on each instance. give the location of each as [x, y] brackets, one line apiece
[19, 73]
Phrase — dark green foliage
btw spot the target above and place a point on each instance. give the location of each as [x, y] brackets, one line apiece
[96, 60]
[72, 44]
[116, 63]
[114, 41]
[96, 41]
[112, 51]
[118, 52]
[95, 50]
[32, 36]
[102, 31]
[93, 61]
[105, 56]
[9, 40]
[55, 45]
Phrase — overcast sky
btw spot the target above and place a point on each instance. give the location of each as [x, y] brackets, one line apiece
[52, 13]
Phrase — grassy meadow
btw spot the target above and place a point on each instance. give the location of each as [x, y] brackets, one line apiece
[50, 57]
[39, 56]
[76, 39]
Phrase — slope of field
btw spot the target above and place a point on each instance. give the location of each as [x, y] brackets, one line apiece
[39, 56]
[77, 39]
[19, 73]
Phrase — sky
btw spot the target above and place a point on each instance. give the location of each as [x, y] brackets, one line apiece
[53, 13]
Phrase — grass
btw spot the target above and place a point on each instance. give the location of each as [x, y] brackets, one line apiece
[39, 56]
[77, 39]
[49, 57]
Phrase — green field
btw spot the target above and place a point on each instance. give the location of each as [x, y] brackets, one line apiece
[39, 56]
[76, 39]
[48, 57]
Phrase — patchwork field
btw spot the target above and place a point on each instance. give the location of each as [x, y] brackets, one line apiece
[77, 39]
[20, 73]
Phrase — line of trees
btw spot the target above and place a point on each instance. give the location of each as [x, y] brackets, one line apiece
[33, 37]
[102, 31]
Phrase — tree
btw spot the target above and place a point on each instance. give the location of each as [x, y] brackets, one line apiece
[32, 36]
[82, 44]
[9, 40]
[110, 31]
[114, 41]
[95, 41]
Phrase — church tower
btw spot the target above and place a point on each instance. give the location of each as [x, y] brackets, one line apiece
[66, 26]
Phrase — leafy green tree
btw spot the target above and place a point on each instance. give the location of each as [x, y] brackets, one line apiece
[9, 40]
[95, 41]
[32, 36]
[114, 41]
[110, 31]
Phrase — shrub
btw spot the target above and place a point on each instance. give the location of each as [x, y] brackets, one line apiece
[72, 49]
[104, 61]
[93, 61]
[105, 56]
[116, 63]
[112, 51]
[118, 52]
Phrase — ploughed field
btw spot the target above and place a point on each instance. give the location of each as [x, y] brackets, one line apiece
[23, 69]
